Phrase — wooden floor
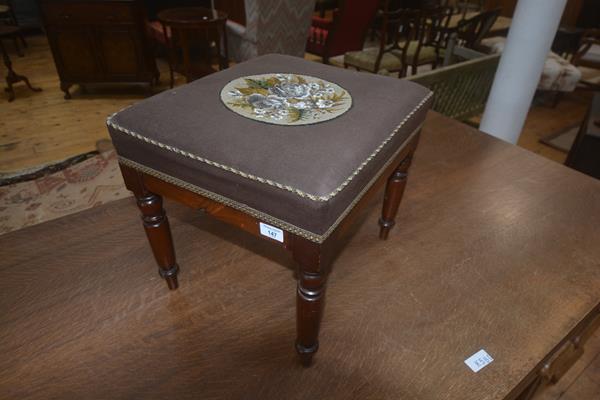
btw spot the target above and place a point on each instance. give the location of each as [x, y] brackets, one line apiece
[544, 120]
[40, 128]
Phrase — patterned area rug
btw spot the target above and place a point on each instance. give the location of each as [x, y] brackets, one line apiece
[89, 183]
[42, 170]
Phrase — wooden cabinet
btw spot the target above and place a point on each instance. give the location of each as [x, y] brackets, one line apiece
[99, 41]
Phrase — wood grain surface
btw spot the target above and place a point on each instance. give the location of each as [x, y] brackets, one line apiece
[494, 248]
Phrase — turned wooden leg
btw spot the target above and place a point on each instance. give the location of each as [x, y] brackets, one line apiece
[28, 84]
[158, 232]
[224, 55]
[23, 40]
[12, 77]
[156, 225]
[9, 89]
[393, 196]
[65, 88]
[170, 56]
[310, 296]
[17, 47]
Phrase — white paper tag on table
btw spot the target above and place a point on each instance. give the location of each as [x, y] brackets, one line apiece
[479, 360]
[271, 232]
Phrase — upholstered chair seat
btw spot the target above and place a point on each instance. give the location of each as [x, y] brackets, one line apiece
[318, 34]
[390, 60]
[592, 55]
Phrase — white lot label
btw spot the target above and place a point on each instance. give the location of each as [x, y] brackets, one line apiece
[271, 232]
[479, 360]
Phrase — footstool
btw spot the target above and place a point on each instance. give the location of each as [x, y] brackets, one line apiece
[285, 149]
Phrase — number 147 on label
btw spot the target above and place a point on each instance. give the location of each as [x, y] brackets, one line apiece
[271, 232]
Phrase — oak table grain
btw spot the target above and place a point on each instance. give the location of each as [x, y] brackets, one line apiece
[494, 248]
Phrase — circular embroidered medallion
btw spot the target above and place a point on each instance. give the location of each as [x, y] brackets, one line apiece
[286, 99]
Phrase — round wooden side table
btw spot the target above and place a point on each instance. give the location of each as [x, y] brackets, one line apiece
[11, 32]
[191, 31]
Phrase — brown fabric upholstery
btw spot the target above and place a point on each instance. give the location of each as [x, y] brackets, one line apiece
[303, 177]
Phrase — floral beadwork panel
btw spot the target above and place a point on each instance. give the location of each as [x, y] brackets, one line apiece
[286, 99]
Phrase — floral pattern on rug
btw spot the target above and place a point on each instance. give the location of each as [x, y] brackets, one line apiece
[87, 184]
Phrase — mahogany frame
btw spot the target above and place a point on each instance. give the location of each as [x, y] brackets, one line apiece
[314, 259]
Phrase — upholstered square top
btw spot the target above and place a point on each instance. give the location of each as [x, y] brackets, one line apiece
[303, 179]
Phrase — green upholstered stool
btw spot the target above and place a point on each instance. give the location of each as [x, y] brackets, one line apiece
[283, 148]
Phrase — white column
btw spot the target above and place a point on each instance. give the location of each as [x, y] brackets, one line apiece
[530, 37]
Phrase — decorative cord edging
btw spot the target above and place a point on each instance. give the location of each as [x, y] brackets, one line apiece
[223, 200]
[270, 182]
[313, 237]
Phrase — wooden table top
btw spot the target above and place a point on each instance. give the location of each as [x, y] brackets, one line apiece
[495, 248]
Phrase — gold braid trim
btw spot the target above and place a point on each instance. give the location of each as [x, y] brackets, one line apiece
[110, 122]
[313, 237]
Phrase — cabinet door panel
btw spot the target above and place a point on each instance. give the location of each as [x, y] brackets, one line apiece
[77, 13]
[120, 52]
[74, 53]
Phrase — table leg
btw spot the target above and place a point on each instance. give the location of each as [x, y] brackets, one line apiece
[156, 225]
[12, 77]
[9, 89]
[224, 54]
[182, 36]
[310, 296]
[65, 88]
[17, 47]
[170, 52]
[393, 196]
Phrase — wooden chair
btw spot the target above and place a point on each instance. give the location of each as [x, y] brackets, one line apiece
[409, 38]
[471, 31]
[322, 6]
[588, 55]
[461, 90]
[7, 14]
[345, 32]
[465, 6]
[566, 41]
[189, 33]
